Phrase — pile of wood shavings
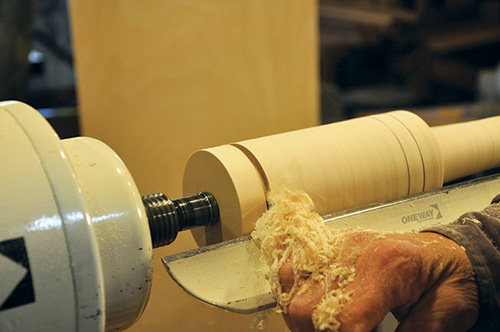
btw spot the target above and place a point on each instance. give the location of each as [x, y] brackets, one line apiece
[290, 229]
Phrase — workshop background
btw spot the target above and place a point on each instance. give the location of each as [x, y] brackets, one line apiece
[158, 80]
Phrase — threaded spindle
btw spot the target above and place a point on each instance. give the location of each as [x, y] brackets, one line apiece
[167, 218]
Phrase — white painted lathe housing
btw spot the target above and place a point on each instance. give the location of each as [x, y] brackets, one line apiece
[75, 247]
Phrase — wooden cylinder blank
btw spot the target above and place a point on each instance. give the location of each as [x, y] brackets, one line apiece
[341, 166]
[352, 163]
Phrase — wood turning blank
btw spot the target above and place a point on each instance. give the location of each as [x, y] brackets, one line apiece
[340, 166]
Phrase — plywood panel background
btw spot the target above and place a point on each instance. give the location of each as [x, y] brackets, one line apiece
[160, 79]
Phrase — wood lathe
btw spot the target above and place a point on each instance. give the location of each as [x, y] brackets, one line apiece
[70, 208]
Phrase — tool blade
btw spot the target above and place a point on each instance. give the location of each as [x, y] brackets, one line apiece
[231, 275]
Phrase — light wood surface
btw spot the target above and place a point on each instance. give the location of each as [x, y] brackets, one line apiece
[226, 173]
[342, 165]
[160, 79]
[469, 147]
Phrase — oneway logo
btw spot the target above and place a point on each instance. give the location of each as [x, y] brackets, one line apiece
[432, 213]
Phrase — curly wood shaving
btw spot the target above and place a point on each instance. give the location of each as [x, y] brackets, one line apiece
[290, 229]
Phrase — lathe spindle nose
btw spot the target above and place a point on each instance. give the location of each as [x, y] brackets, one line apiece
[167, 218]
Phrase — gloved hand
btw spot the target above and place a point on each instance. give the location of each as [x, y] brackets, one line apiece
[425, 279]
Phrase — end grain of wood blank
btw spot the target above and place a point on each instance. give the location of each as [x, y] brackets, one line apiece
[341, 166]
